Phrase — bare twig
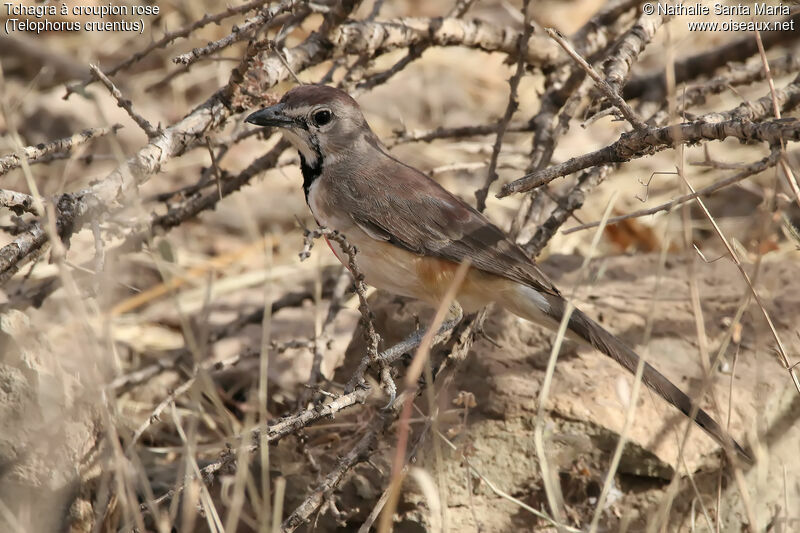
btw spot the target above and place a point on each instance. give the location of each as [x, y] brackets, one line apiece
[360, 452]
[415, 51]
[40, 152]
[380, 37]
[401, 348]
[587, 181]
[99, 198]
[695, 94]
[367, 318]
[592, 37]
[640, 143]
[402, 137]
[626, 110]
[786, 100]
[215, 366]
[169, 37]
[18, 202]
[291, 424]
[565, 89]
[749, 170]
[224, 331]
[511, 108]
[628, 48]
[272, 433]
[148, 128]
[564, 98]
[239, 33]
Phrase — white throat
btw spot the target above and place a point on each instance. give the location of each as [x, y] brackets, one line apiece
[302, 146]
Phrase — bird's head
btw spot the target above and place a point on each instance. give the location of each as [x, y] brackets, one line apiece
[321, 122]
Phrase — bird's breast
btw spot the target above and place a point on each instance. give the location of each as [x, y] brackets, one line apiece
[322, 211]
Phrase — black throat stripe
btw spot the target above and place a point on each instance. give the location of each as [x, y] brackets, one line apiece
[310, 174]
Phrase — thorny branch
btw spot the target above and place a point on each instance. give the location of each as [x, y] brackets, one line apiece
[624, 53]
[123, 103]
[641, 143]
[380, 37]
[239, 32]
[511, 108]
[169, 37]
[40, 152]
[605, 87]
[367, 318]
[749, 170]
[293, 423]
[98, 199]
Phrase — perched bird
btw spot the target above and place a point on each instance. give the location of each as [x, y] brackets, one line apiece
[412, 234]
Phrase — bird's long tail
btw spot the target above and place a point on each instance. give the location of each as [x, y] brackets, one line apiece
[548, 310]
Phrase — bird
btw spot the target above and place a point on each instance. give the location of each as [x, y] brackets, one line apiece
[412, 234]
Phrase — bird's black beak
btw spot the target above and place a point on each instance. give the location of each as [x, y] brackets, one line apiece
[272, 116]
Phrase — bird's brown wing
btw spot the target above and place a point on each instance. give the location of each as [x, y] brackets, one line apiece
[398, 204]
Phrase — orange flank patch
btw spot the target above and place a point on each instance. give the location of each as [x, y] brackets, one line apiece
[477, 289]
[436, 275]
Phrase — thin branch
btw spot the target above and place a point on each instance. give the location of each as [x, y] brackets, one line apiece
[217, 333]
[592, 37]
[291, 424]
[695, 94]
[271, 434]
[169, 37]
[626, 110]
[415, 51]
[749, 170]
[286, 21]
[367, 317]
[214, 366]
[360, 452]
[380, 37]
[99, 198]
[628, 48]
[239, 33]
[587, 181]
[402, 137]
[42, 152]
[403, 347]
[511, 108]
[148, 128]
[565, 92]
[18, 202]
[647, 142]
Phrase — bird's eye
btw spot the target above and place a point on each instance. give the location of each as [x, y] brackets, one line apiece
[322, 117]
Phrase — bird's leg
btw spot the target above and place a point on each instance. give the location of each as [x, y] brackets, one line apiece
[392, 354]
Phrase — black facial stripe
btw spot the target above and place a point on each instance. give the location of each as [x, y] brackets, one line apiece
[311, 171]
